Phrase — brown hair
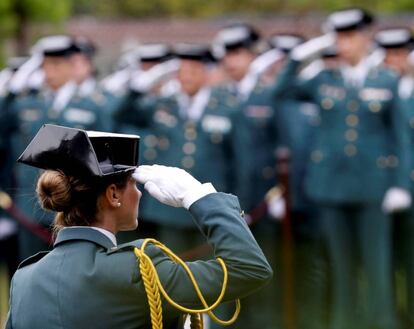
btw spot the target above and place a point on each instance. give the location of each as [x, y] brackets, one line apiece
[74, 199]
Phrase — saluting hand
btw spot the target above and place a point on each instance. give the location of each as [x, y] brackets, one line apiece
[172, 186]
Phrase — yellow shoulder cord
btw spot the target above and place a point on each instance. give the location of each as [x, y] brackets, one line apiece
[153, 287]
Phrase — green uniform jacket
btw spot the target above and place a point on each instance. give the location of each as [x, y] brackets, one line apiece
[258, 120]
[408, 104]
[9, 126]
[361, 145]
[85, 282]
[209, 149]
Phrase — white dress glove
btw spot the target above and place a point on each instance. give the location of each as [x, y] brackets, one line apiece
[19, 80]
[146, 80]
[396, 199]
[276, 207]
[313, 48]
[172, 186]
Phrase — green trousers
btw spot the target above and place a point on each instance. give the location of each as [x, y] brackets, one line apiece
[358, 238]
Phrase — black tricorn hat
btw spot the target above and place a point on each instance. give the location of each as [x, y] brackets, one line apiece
[399, 37]
[82, 153]
[194, 51]
[349, 20]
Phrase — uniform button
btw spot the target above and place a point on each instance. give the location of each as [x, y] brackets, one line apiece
[351, 135]
[374, 106]
[382, 162]
[392, 161]
[350, 150]
[216, 138]
[188, 162]
[190, 134]
[268, 172]
[150, 140]
[189, 148]
[163, 143]
[316, 156]
[353, 106]
[327, 103]
[352, 120]
[189, 125]
[150, 154]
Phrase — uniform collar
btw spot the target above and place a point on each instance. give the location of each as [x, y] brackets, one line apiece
[84, 234]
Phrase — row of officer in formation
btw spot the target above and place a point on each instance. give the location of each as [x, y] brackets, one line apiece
[341, 103]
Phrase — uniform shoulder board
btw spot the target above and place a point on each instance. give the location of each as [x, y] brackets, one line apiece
[128, 246]
[33, 259]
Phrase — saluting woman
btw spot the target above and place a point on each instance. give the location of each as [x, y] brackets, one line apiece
[87, 280]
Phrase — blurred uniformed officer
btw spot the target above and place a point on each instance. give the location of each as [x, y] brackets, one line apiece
[84, 74]
[358, 166]
[145, 57]
[193, 129]
[9, 126]
[246, 67]
[57, 102]
[397, 44]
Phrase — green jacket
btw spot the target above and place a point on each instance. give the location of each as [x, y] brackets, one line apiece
[408, 104]
[361, 145]
[86, 282]
[258, 119]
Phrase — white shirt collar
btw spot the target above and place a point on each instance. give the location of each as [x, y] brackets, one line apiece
[355, 75]
[193, 107]
[108, 234]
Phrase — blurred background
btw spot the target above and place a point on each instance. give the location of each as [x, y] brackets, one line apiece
[305, 293]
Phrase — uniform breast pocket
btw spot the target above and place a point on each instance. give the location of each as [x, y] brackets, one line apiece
[376, 99]
[80, 117]
[216, 127]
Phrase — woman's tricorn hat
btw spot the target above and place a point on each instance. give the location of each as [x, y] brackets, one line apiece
[79, 152]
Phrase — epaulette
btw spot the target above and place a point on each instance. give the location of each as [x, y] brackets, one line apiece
[33, 259]
[128, 246]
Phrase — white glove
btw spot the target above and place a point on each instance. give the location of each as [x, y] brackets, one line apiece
[262, 62]
[172, 186]
[276, 207]
[146, 80]
[396, 199]
[313, 47]
[19, 80]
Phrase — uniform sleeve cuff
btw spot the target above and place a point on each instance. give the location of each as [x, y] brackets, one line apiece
[197, 193]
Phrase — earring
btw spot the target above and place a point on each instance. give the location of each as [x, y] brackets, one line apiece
[118, 204]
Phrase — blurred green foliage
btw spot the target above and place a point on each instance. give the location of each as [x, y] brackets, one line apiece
[203, 8]
[16, 17]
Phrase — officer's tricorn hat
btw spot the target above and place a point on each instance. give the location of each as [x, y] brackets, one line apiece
[56, 46]
[395, 38]
[285, 41]
[349, 19]
[82, 153]
[154, 52]
[238, 35]
[194, 51]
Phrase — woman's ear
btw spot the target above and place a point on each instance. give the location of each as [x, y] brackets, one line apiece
[113, 196]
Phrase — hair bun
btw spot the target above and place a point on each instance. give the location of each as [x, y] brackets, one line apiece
[54, 191]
